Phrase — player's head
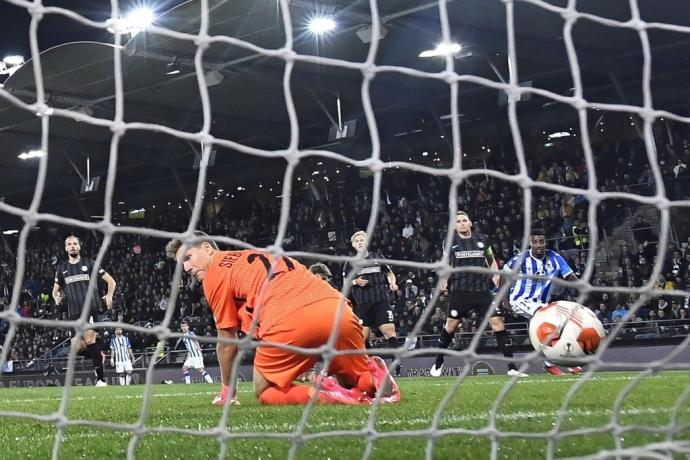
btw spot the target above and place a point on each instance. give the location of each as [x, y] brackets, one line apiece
[184, 325]
[359, 241]
[195, 256]
[118, 331]
[322, 271]
[73, 245]
[463, 223]
[537, 242]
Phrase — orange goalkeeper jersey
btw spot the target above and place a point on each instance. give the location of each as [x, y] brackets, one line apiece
[241, 285]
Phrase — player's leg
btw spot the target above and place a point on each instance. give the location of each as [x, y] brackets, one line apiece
[365, 313]
[386, 324]
[504, 343]
[205, 375]
[128, 369]
[527, 309]
[456, 309]
[356, 371]
[120, 371]
[186, 373]
[275, 369]
[94, 349]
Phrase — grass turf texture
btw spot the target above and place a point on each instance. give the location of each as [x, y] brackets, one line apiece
[530, 407]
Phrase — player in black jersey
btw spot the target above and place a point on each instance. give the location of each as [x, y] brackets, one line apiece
[472, 291]
[72, 278]
[370, 293]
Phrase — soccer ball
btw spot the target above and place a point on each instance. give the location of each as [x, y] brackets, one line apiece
[565, 332]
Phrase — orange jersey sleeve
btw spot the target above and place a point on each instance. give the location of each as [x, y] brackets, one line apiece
[220, 295]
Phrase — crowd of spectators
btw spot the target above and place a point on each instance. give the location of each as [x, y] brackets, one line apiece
[411, 225]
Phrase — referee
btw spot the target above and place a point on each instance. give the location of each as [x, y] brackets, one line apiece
[72, 282]
[370, 292]
[471, 291]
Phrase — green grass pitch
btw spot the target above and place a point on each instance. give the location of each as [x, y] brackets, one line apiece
[652, 410]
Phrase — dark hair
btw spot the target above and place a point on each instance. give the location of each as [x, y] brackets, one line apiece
[184, 321]
[537, 232]
[174, 245]
[462, 213]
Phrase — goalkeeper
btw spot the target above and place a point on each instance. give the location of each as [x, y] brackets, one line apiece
[291, 306]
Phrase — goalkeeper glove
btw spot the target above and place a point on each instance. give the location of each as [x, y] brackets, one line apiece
[223, 396]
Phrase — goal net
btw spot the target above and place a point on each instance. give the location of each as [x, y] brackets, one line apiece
[387, 117]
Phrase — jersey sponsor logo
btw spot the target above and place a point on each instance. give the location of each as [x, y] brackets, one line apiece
[468, 254]
[369, 270]
[75, 278]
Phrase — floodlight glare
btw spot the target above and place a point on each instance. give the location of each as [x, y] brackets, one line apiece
[30, 154]
[13, 60]
[321, 25]
[140, 18]
[442, 49]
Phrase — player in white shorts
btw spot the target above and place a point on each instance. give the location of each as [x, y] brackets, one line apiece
[195, 359]
[121, 356]
[527, 295]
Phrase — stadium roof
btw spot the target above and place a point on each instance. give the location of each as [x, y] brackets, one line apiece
[248, 104]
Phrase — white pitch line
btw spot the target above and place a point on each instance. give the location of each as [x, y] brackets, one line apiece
[253, 427]
[446, 382]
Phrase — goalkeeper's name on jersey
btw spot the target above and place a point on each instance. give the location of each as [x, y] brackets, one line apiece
[468, 254]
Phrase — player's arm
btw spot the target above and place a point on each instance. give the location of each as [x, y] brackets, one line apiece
[111, 290]
[226, 353]
[129, 350]
[57, 286]
[391, 278]
[57, 294]
[491, 263]
[564, 269]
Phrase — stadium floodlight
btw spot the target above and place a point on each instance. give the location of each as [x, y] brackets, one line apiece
[559, 134]
[10, 232]
[13, 60]
[10, 64]
[31, 154]
[134, 22]
[321, 25]
[140, 18]
[442, 49]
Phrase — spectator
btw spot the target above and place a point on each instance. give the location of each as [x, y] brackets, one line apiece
[619, 313]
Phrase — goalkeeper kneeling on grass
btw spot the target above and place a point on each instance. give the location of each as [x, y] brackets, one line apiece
[291, 306]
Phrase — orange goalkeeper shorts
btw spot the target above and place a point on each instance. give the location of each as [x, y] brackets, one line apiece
[310, 327]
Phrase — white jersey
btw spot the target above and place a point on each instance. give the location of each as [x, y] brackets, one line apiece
[119, 347]
[192, 345]
[527, 294]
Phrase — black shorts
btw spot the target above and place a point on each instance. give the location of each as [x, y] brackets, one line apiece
[461, 303]
[374, 314]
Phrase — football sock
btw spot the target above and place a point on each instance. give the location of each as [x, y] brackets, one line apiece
[187, 377]
[503, 342]
[392, 342]
[128, 379]
[443, 342]
[207, 377]
[294, 394]
[121, 379]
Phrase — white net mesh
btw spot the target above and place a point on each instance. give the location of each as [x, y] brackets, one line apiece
[293, 155]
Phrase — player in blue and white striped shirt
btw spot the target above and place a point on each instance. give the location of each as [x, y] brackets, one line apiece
[121, 356]
[195, 359]
[528, 294]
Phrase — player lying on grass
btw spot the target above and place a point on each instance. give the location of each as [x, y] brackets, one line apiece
[292, 306]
